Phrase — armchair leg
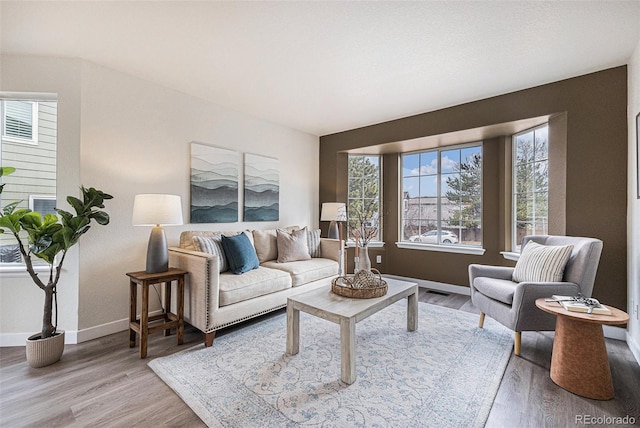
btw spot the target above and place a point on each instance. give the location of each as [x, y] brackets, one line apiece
[481, 321]
[516, 344]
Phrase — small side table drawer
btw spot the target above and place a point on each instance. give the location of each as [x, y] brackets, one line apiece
[165, 321]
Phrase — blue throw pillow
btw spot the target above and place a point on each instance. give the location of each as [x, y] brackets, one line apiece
[241, 256]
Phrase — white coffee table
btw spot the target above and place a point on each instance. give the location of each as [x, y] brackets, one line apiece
[347, 312]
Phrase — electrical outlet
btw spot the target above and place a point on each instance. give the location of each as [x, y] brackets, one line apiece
[378, 259]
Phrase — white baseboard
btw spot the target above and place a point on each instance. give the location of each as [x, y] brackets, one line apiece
[72, 337]
[433, 285]
[634, 346]
[610, 332]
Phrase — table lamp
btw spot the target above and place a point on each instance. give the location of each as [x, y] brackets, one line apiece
[157, 210]
[333, 212]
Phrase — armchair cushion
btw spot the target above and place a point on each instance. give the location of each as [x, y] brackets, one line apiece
[542, 263]
[501, 290]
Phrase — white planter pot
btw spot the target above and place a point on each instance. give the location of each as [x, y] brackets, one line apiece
[44, 352]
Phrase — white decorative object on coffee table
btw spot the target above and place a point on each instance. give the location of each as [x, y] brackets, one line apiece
[346, 312]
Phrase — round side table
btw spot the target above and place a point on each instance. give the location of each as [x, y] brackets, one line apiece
[579, 361]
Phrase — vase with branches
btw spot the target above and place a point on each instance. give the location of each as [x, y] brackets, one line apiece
[50, 238]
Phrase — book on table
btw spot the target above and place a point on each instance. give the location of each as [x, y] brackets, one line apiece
[576, 304]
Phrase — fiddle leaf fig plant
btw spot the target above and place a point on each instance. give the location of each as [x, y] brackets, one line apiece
[49, 237]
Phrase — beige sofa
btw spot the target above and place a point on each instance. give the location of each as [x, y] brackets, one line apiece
[214, 299]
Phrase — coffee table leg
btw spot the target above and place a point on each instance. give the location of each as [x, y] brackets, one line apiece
[348, 350]
[412, 311]
[293, 329]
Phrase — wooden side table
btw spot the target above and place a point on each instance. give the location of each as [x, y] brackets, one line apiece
[143, 325]
[579, 362]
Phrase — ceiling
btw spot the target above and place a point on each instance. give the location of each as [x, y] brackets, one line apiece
[325, 67]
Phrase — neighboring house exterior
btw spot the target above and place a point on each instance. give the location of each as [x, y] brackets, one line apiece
[28, 143]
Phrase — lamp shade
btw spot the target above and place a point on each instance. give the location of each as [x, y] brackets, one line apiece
[333, 211]
[156, 209]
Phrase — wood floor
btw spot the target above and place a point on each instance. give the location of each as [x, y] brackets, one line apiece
[104, 383]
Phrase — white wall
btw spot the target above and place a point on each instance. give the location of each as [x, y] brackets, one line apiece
[134, 138]
[633, 218]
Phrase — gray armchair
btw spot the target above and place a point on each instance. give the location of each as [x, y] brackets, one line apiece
[512, 304]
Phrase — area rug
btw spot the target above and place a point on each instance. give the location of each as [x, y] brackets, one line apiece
[445, 374]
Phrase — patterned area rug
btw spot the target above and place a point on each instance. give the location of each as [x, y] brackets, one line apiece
[446, 374]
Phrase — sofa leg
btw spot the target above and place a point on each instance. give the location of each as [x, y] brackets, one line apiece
[516, 343]
[208, 338]
[481, 321]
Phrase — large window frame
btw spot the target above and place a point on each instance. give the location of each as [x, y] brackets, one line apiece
[530, 184]
[437, 169]
[364, 198]
[35, 158]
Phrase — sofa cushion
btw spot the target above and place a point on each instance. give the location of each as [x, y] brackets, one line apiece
[313, 242]
[212, 245]
[305, 271]
[254, 283]
[498, 289]
[266, 244]
[241, 256]
[292, 246]
[542, 263]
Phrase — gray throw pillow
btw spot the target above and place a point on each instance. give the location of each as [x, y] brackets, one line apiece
[542, 263]
[313, 241]
[212, 245]
[292, 246]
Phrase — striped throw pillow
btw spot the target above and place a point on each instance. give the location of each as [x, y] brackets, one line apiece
[542, 263]
[313, 241]
[212, 245]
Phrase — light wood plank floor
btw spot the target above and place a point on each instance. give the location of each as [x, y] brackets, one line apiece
[103, 383]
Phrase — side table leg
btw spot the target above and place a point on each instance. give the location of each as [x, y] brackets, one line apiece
[412, 311]
[167, 305]
[144, 320]
[133, 302]
[348, 350]
[180, 310]
[293, 330]
[579, 361]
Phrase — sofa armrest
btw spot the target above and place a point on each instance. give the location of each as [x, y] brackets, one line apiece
[202, 286]
[330, 248]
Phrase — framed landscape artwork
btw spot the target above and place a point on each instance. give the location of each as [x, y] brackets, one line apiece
[261, 188]
[214, 184]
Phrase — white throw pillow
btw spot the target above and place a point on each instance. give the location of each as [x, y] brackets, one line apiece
[542, 263]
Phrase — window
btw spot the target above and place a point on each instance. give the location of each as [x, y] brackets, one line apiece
[363, 198]
[530, 184]
[20, 121]
[442, 196]
[34, 182]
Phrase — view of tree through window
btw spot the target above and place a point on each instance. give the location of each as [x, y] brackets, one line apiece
[442, 196]
[363, 205]
[530, 184]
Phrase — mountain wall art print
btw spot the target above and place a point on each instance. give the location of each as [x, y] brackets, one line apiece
[261, 188]
[214, 184]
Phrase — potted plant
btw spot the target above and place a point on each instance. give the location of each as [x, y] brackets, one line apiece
[50, 239]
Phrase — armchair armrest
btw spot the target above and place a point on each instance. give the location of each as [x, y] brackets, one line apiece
[524, 298]
[498, 272]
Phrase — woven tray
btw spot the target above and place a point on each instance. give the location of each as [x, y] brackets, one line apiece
[366, 284]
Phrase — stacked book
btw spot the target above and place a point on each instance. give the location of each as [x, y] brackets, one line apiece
[581, 304]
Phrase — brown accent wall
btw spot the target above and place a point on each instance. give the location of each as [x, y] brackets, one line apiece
[594, 113]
